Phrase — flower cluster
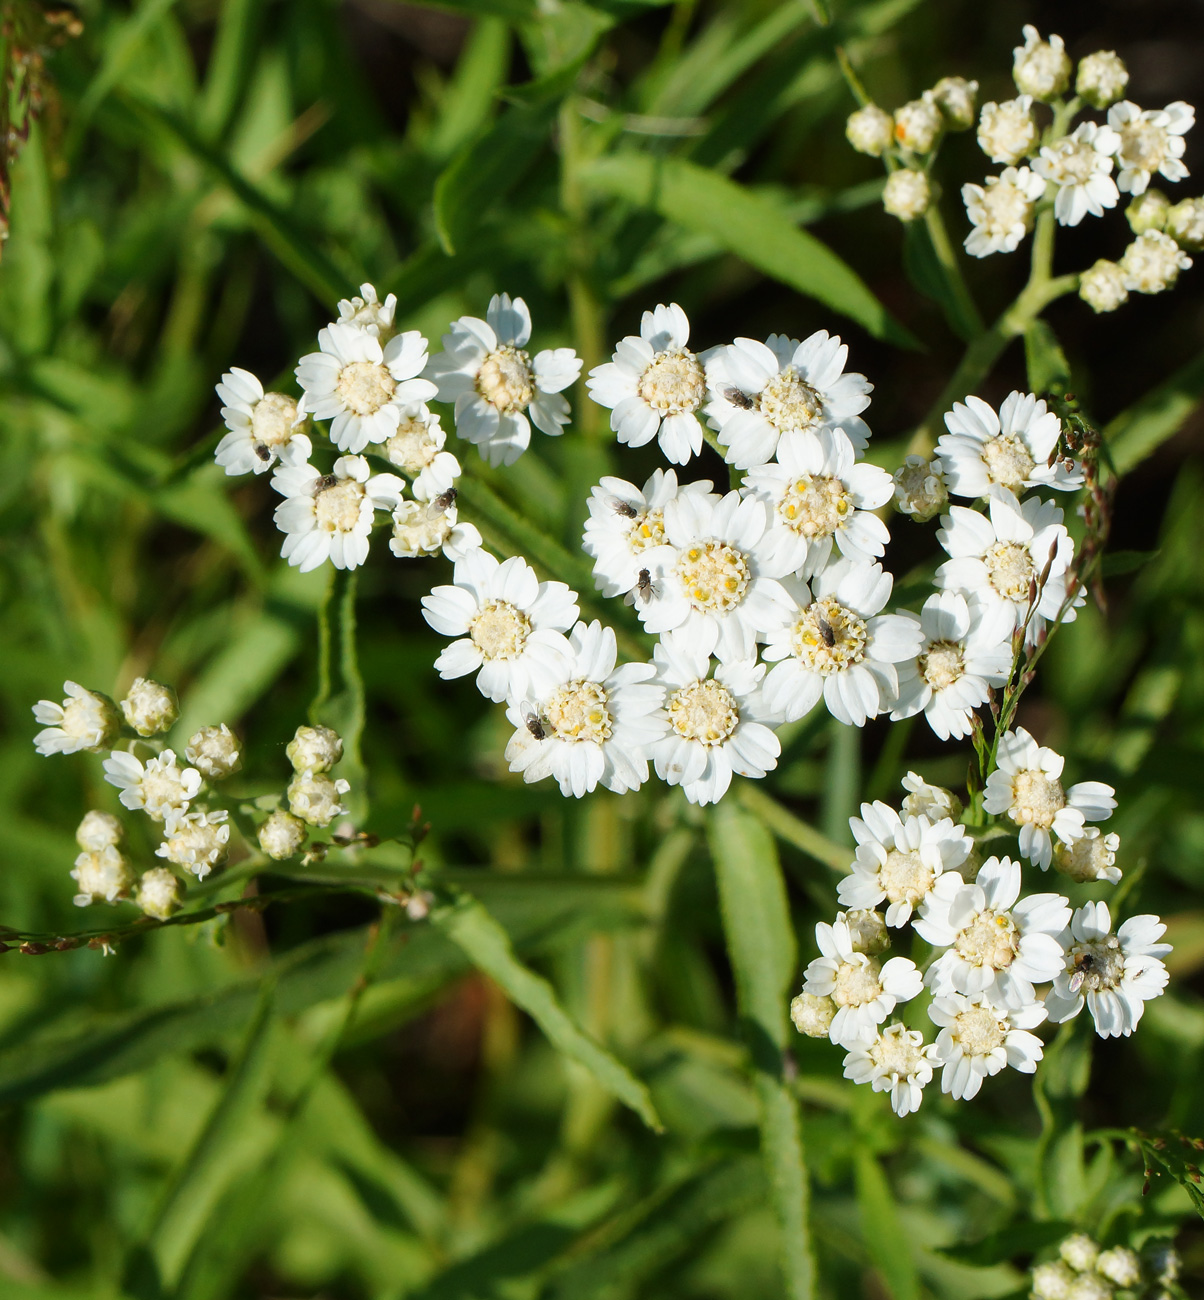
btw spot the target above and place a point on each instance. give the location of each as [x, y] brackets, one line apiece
[1083, 1270]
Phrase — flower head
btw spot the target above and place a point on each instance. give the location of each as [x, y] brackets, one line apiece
[282, 835]
[1150, 142]
[1040, 68]
[956, 97]
[263, 427]
[159, 893]
[1001, 210]
[906, 194]
[417, 450]
[101, 875]
[1080, 166]
[86, 720]
[430, 527]
[1148, 211]
[812, 1015]
[1185, 223]
[1119, 1265]
[897, 1061]
[1051, 1281]
[920, 488]
[1007, 132]
[197, 843]
[1090, 858]
[365, 311]
[978, 1039]
[314, 749]
[919, 123]
[158, 788]
[314, 797]
[97, 831]
[984, 449]
[150, 708]
[1079, 1251]
[1102, 286]
[1102, 78]
[870, 130]
[931, 801]
[1152, 262]
[214, 752]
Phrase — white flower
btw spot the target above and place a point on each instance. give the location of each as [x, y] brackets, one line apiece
[509, 624]
[870, 130]
[838, 645]
[159, 893]
[1026, 786]
[895, 1060]
[919, 123]
[819, 497]
[920, 488]
[430, 527]
[1152, 262]
[1080, 165]
[1040, 68]
[595, 725]
[1010, 449]
[716, 725]
[263, 427]
[97, 831]
[1001, 212]
[931, 801]
[1079, 1251]
[865, 990]
[197, 843]
[966, 650]
[1119, 1265]
[978, 1040]
[85, 720]
[329, 516]
[899, 860]
[495, 385]
[149, 707]
[1185, 223]
[1102, 78]
[1102, 286]
[361, 387]
[811, 1015]
[763, 392]
[1051, 1281]
[367, 312]
[994, 944]
[956, 97]
[997, 557]
[716, 589]
[1148, 211]
[654, 385]
[868, 930]
[417, 450]
[214, 752]
[282, 835]
[160, 788]
[1007, 131]
[314, 797]
[906, 194]
[101, 874]
[625, 531]
[1116, 974]
[1150, 141]
[1090, 858]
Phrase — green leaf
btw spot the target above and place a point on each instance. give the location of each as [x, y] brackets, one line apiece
[1160, 414]
[1116, 563]
[470, 97]
[884, 1236]
[1048, 369]
[749, 226]
[488, 946]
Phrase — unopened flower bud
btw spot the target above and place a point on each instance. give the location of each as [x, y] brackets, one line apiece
[1102, 78]
[1185, 223]
[1148, 211]
[1102, 287]
[870, 130]
[918, 124]
[906, 194]
[98, 830]
[282, 835]
[197, 842]
[101, 875]
[418, 907]
[86, 720]
[812, 1015]
[314, 797]
[1152, 263]
[214, 752]
[920, 488]
[1007, 132]
[420, 528]
[867, 930]
[1051, 1281]
[931, 801]
[150, 707]
[314, 749]
[1040, 68]
[159, 893]
[1091, 857]
[1079, 1251]
[367, 312]
[956, 98]
[1119, 1265]
[1089, 1286]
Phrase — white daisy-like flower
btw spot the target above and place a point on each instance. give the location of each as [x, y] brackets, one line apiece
[996, 558]
[897, 1061]
[198, 842]
[978, 1039]
[263, 427]
[716, 724]
[716, 590]
[417, 449]
[365, 311]
[361, 387]
[838, 645]
[329, 516]
[1040, 68]
[625, 531]
[764, 392]
[510, 626]
[1001, 210]
[158, 788]
[931, 801]
[967, 649]
[1007, 131]
[1027, 786]
[654, 386]
[1150, 142]
[994, 944]
[819, 497]
[85, 720]
[1115, 974]
[864, 989]
[595, 726]
[899, 860]
[432, 527]
[497, 387]
[1080, 165]
[1090, 858]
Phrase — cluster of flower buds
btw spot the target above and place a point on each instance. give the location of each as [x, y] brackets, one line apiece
[313, 794]
[1085, 1271]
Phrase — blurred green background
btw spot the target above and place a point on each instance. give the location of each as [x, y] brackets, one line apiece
[205, 180]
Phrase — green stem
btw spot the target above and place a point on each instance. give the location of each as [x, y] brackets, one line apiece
[322, 694]
[793, 830]
[967, 317]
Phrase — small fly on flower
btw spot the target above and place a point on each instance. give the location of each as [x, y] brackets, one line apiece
[737, 396]
[534, 723]
[825, 630]
[326, 481]
[643, 591]
[1084, 964]
[445, 500]
[263, 451]
[624, 508]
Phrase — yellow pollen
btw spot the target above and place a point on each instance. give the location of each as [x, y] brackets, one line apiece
[704, 711]
[815, 506]
[789, 403]
[578, 711]
[989, 940]
[647, 530]
[1010, 569]
[829, 637]
[714, 576]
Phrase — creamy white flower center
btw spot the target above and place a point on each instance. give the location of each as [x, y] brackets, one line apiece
[421, 528]
[647, 530]
[1087, 858]
[337, 507]
[83, 716]
[500, 630]
[412, 448]
[505, 380]
[673, 383]
[829, 637]
[856, 982]
[1144, 146]
[1076, 162]
[905, 877]
[714, 576]
[1101, 964]
[867, 930]
[942, 664]
[162, 788]
[896, 1053]
[1003, 208]
[991, 939]
[815, 506]
[978, 1031]
[1007, 460]
[272, 419]
[1010, 570]
[1036, 798]
[789, 403]
[1007, 132]
[579, 711]
[704, 711]
[365, 386]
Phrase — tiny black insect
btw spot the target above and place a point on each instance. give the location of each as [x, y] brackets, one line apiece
[263, 451]
[326, 481]
[445, 500]
[737, 396]
[826, 630]
[535, 725]
[1084, 964]
[624, 508]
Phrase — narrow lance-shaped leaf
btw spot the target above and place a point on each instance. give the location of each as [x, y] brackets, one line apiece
[884, 1236]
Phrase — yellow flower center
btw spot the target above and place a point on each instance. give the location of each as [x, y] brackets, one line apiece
[789, 403]
[673, 382]
[505, 380]
[1010, 570]
[828, 637]
[365, 386]
[1143, 146]
[714, 576]
[337, 507]
[1036, 798]
[411, 448]
[1008, 461]
[272, 419]
[815, 506]
[704, 711]
[942, 664]
[979, 1031]
[905, 877]
[856, 982]
[989, 940]
[578, 711]
[500, 630]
